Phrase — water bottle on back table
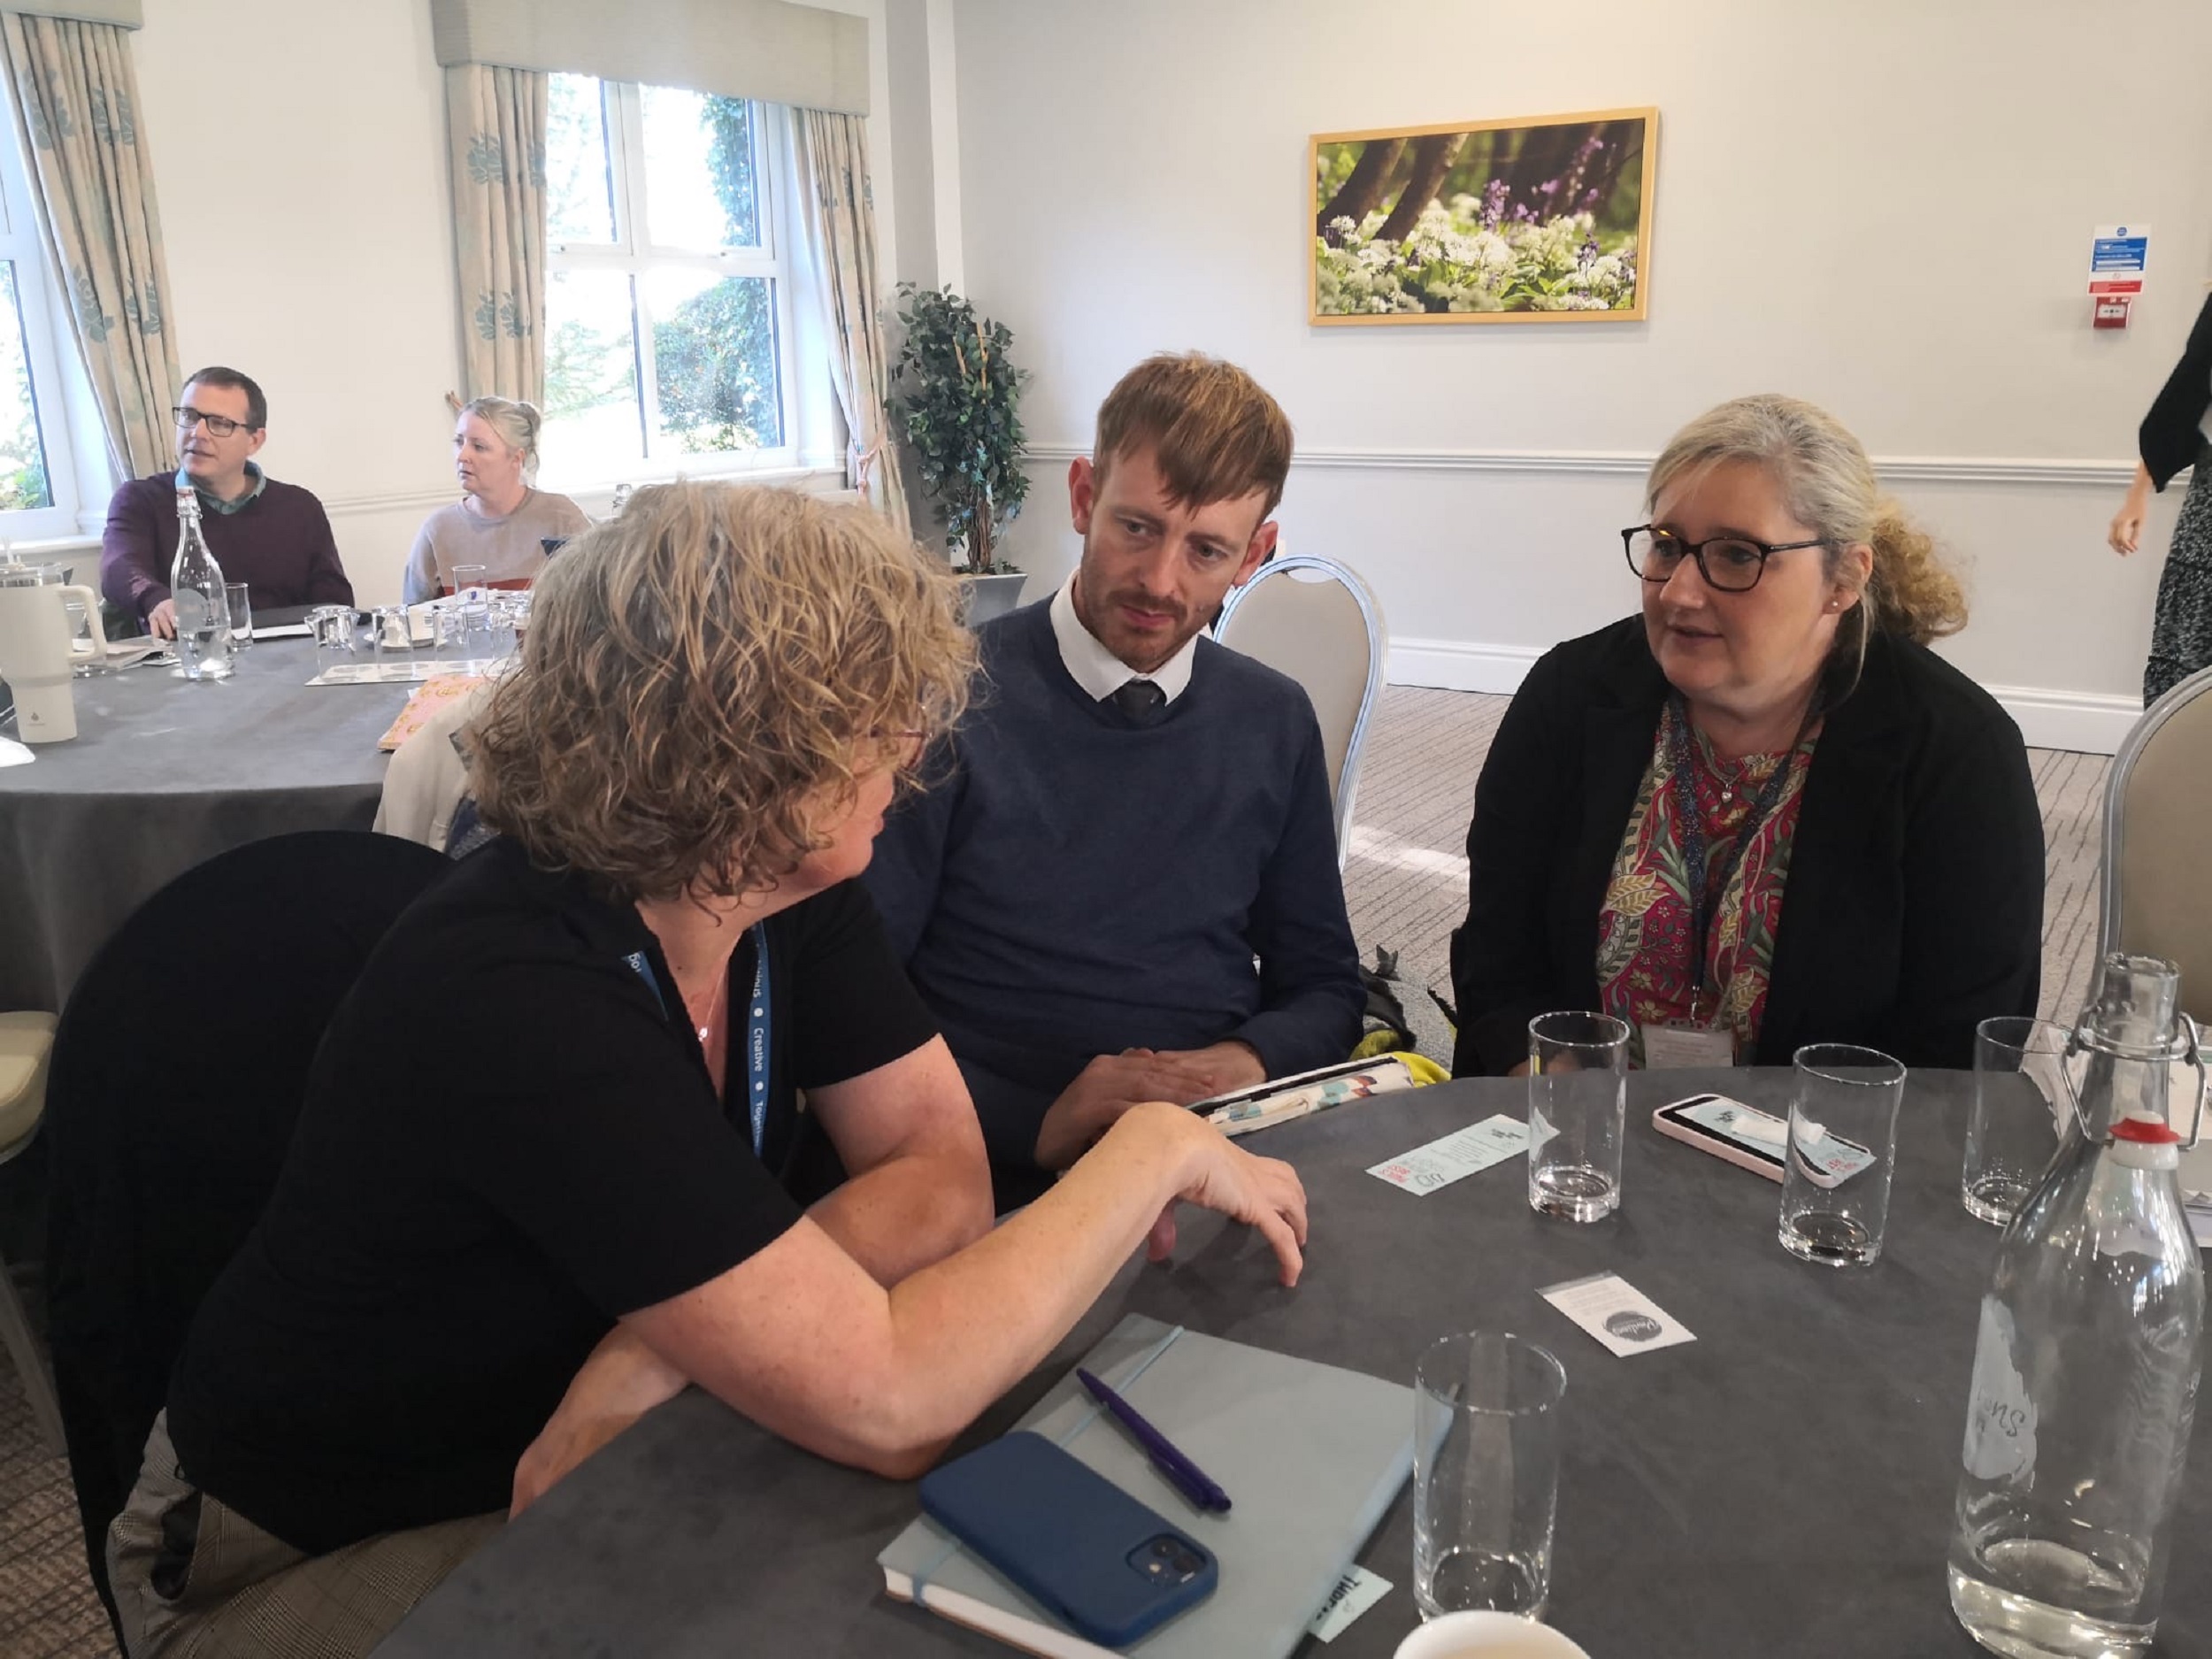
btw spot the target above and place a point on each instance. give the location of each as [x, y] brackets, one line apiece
[2085, 1369]
[195, 588]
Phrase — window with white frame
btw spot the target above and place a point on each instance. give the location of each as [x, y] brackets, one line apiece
[667, 339]
[38, 493]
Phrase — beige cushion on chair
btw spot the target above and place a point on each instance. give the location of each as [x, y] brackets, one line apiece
[2165, 892]
[26, 1041]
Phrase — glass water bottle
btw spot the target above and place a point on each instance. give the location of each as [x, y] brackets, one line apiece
[195, 588]
[2085, 1369]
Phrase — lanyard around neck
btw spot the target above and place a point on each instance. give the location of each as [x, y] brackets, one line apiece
[757, 1015]
[1705, 891]
[756, 1041]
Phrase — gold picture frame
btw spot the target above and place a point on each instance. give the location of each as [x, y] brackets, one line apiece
[1539, 219]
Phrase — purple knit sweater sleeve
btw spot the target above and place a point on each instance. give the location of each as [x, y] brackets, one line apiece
[133, 568]
[325, 580]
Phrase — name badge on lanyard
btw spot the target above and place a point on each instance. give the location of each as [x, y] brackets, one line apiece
[756, 1030]
[1675, 1046]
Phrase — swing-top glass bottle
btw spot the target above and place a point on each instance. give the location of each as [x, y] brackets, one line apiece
[204, 649]
[2085, 1369]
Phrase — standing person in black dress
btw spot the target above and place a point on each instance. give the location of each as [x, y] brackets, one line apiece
[2177, 432]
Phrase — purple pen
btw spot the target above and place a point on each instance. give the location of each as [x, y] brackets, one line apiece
[1185, 1476]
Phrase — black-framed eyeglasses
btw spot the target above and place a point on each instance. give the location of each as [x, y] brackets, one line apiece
[218, 426]
[1728, 564]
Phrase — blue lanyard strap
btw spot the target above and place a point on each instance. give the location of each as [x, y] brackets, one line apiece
[1705, 891]
[756, 1041]
[757, 1013]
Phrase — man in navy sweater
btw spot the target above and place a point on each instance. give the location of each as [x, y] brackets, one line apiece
[1122, 881]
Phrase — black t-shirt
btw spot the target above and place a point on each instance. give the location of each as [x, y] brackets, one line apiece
[508, 1141]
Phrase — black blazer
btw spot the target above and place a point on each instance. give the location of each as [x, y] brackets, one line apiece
[1913, 904]
[2171, 438]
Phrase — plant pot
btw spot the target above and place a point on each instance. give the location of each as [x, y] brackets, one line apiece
[988, 596]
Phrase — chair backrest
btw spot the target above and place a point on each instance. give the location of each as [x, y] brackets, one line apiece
[426, 777]
[178, 1070]
[1315, 621]
[2157, 811]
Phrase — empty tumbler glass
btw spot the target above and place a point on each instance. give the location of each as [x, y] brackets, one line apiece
[1577, 1113]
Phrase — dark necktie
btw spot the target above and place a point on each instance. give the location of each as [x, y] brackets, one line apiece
[1140, 701]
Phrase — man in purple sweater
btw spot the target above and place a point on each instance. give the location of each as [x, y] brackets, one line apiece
[274, 537]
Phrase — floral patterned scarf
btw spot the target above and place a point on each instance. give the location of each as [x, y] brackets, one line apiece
[1646, 925]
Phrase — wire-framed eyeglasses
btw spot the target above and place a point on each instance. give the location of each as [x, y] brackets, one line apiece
[1728, 564]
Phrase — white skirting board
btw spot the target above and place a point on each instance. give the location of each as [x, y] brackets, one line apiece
[2092, 723]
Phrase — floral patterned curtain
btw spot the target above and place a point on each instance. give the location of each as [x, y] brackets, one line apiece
[838, 213]
[495, 123]
[92, 187]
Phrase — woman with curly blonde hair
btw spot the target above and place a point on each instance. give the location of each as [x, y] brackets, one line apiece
[1763, 812]
[546, 1170]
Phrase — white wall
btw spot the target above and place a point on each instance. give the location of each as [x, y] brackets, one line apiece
[1882, 206]
[299, 160]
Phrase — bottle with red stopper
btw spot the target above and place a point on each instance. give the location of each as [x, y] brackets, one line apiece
[2084, 1381]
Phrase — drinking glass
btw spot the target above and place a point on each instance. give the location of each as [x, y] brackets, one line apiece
[472, 615]
[464, 635]
[391, 635]
[85, 658]
[240, 614]
[506, 615]
[1578, 1114]
[1485, 1473]
[1842, 1151]
[470, 578]
[336, 646]
[2020, 1105]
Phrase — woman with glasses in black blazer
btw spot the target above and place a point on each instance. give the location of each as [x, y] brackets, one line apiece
[1762, 813]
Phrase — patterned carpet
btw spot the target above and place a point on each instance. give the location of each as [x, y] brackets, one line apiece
[1406, 882]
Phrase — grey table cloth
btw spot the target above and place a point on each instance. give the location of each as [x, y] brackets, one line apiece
[1781, 1486]
[162, 775]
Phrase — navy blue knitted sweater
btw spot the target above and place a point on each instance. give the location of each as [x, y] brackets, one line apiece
[1074, 884]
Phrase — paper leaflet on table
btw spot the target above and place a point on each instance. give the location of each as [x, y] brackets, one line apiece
[1278, 1100]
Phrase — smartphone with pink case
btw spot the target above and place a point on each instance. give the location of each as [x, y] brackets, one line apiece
[1730, 1130]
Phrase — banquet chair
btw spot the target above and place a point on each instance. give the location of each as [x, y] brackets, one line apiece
[177, 1071]
[2154, 897]
[26, 1044]
[428, 779]
[1316, 620]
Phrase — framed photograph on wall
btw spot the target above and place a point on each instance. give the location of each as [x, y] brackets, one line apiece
[1523, 221]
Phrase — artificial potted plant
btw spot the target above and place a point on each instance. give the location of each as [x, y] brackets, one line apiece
[955, 395]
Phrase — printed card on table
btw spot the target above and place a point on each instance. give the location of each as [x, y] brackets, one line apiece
[1616, 1314]
[1456, 1155]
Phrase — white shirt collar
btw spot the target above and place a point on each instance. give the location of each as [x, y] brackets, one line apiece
[1097, 670]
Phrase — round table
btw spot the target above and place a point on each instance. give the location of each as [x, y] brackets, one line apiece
[163, 774]
[1780, 1486]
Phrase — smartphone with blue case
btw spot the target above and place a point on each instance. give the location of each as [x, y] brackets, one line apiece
[1105, 1565]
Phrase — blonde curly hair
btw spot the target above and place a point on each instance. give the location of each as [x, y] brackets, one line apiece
[1828, 485]
[705, 680]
